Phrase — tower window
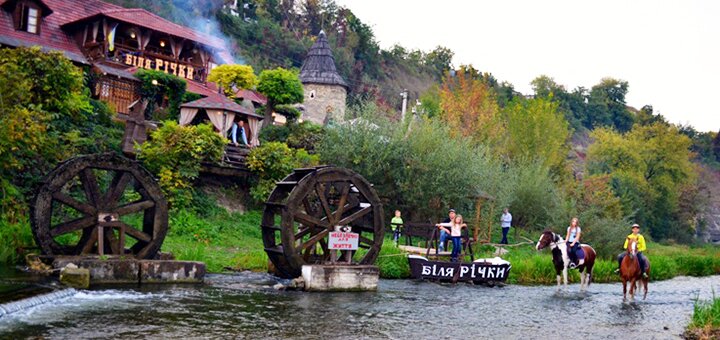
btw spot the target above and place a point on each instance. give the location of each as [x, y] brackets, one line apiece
[312, 94]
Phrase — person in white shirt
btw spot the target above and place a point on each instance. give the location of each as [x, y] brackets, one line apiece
[505, 222]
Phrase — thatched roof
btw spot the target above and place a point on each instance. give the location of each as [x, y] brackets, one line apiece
[319, 66]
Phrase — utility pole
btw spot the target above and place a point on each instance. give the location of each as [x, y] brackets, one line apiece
[404, 95]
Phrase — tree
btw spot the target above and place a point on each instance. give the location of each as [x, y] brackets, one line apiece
[537, 130]
[232, 77]
[440, 60]
[607, 106]
[649, 166]
[44, 104]
[281, 87]
[469, 107]
[544, 86]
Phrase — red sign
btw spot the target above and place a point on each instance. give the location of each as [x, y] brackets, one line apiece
[343, 241]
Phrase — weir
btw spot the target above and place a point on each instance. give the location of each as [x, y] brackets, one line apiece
[16, 306]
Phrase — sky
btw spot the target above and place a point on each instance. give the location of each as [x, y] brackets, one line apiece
[668, 51]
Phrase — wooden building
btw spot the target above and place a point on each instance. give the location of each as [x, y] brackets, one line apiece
[115, 42]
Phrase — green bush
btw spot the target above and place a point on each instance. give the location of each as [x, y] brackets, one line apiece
[305, 135]
[392, 262]
[175, 153]
[14, 236]
[272, 162]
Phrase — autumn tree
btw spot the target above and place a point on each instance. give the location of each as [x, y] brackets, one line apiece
[281, 87]
[232, 77]
[650, 166]
[469, 107]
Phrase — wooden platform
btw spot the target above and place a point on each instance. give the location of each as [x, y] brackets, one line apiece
[422, 251]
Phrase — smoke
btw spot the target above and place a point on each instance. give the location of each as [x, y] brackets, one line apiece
[203, 20]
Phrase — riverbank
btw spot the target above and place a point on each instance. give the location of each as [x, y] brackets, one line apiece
[232, 242]
[705, 322]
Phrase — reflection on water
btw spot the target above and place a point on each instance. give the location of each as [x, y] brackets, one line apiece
[245, 306]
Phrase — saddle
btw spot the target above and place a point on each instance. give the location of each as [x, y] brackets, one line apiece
[576, 256]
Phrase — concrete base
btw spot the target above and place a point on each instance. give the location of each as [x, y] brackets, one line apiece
[340, 278]
[113, 270]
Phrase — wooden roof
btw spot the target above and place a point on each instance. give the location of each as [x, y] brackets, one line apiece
[319, 66]
[220, 102]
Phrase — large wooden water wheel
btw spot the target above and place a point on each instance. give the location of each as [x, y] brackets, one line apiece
[307, 205]
[99, 204]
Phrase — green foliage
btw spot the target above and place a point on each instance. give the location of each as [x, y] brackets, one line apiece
[233, 77]
[392, 262]
[706, 318]
[280, 86]
[537, 130]
[174, 153]
[155, 86]
[272, 162]
[421, 170]
[14, 236]
[43, 104]
[649, 168]
[305, 135]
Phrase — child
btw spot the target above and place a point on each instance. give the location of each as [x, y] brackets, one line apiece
[455, 234]
[396, 225]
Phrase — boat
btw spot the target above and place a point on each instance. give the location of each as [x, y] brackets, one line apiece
[481, 271]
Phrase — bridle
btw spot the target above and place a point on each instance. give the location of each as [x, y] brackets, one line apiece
[555, 240]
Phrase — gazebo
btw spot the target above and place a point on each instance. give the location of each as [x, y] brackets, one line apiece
[222, 113]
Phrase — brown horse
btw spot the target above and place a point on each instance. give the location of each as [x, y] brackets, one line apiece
[562, 261]
[630, 270]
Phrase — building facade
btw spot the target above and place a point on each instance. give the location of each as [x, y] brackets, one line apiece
[114, 41]
[325, 90]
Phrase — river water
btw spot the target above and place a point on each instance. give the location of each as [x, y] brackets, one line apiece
[245, 306]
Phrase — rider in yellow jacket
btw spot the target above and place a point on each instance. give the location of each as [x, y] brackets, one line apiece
[640, 249]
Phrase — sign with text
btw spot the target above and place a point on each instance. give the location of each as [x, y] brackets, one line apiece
[180, 70]
[343, 241]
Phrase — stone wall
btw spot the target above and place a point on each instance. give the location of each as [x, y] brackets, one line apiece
[323, 102]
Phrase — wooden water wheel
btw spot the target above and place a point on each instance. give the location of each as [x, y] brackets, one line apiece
[99, 204]
[307, 205]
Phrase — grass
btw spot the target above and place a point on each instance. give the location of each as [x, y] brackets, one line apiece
[221, 240]
[705, 323]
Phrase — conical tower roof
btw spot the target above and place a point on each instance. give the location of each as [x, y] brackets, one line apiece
[319, 65]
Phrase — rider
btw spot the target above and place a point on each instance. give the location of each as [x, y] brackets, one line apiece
[573, 238]
[640, 248]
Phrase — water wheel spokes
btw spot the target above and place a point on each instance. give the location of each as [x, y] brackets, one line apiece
[99, 204]
[308, 205]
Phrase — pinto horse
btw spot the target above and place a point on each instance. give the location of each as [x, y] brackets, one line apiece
[630, 270]
[561, 260]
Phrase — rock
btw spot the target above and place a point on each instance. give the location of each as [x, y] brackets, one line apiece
[279, 286]
[71, 266]
[75, 277]
[34, 264]
[297, 283]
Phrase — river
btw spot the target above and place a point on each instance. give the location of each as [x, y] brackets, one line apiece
[244, 305]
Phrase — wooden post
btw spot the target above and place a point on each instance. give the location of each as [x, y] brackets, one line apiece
[476, 230]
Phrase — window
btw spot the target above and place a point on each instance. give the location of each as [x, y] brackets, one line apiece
[27, 18]
[32, 20]
[312, 94]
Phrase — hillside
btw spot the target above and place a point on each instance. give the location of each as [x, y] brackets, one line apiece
[268, 34]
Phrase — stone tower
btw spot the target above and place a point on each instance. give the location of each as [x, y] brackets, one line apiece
[325, 90]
